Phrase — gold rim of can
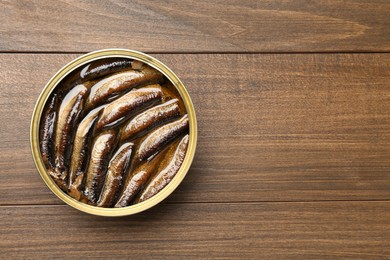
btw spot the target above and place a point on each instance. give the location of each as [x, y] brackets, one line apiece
[57, 78]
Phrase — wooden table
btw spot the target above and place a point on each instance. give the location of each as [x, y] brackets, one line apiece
[293, 106]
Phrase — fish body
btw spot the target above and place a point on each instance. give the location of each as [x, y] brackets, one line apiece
[103, 146]
[166, 171]
[116, 169]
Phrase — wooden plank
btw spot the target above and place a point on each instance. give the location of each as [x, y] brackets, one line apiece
[357, 230]
[195, 26]
[271, 127]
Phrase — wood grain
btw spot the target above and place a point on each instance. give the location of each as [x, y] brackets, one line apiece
[195, 26]
[293, 157]
[353, 230]
[272, 127]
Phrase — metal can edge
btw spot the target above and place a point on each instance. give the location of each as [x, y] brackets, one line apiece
[49, 87]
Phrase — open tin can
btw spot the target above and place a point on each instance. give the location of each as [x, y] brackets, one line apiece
[77, 64]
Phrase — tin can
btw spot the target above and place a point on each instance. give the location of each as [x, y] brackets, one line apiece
[52, 84]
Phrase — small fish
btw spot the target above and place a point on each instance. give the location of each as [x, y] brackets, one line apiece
[157, 139]
[151, 118]
[111, 87]
[68, 114]
[166, 171]
[92, 72]
[135, 180]
[116, 169]
[124, 107]
[49, 118]
[103, 147]
[61, 183]
[81, 150]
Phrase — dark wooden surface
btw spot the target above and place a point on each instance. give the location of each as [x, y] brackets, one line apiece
[310, 230]
[195, 26]
[293, 107]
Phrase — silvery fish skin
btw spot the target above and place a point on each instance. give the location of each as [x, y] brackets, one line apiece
[47, 133]
[157, 139]
[134, 182]
[68, 114]
[151, 118]
[124, 107]
[103, 146]
[166, 171]
[80, 152]
[92, 72]
[58, 179]
[112, 86]
[117, 167]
